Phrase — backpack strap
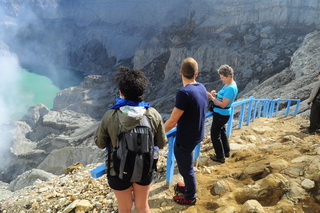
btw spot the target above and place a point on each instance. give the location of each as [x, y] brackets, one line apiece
[109, 159]
[145, 121]
[216, 106]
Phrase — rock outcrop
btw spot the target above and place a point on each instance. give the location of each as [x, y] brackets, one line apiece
[259, 177]
[28, 178]
[297, 80]
[51, 141]
[94, 96]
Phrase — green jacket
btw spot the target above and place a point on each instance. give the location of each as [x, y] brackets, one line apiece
[124, 119]
[314, 92]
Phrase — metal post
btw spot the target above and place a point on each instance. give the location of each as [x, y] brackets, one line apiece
[297, 108]
[229, 127]
[249, 110]
[260, 107]
[170, 160]
[277, 108]
[288, 107]
[243, 107]
[255, 110]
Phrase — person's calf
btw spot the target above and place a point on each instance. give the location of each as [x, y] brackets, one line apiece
[142, 208]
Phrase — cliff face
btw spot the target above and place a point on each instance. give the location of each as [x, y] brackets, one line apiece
[297, 80]
[95, 36]
[257, 38]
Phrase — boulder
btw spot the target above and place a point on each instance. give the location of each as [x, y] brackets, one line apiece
[28, 178]
[251, 206]
[59, 160]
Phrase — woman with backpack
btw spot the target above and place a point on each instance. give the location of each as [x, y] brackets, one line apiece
[129, 166]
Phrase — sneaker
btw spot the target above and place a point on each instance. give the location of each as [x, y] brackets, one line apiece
[183, 201]
[220, 160]
[179, 188]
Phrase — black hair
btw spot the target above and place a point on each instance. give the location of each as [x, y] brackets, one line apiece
[132, 83]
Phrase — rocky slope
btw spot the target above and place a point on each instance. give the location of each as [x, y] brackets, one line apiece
[66, 134]
[258, 177]
[273, 47]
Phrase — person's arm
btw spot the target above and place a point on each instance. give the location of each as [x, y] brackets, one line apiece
[160, 138]
[222, 104]
[173, 120]
[101, 137]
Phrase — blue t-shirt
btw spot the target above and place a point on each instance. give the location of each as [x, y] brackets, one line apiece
[229, 92]
[192, 99]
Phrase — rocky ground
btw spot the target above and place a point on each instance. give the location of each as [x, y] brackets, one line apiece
[274, 167]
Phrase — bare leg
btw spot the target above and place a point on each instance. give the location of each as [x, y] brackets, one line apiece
[141, 195]
[124, 198]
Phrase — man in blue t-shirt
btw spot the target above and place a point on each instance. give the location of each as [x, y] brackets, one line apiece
[189, 116]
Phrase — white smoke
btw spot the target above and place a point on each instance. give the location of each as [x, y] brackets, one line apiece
[9, 91]
[12, 97]
[10, 77]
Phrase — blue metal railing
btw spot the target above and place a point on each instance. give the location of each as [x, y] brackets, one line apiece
[250, 109]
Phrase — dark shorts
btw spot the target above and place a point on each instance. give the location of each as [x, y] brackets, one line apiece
[117, 184]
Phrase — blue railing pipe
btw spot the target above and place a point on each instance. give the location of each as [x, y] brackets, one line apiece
[256, 107]
[171, 135]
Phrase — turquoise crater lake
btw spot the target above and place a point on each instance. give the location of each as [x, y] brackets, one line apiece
[40, 87]
[36, 89]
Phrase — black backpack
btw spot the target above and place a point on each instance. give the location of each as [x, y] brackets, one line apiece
[133, 157]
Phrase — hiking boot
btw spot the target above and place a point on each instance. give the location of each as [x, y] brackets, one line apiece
[179, 188]
[183, 201]
[214, 158]
[227, 155]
